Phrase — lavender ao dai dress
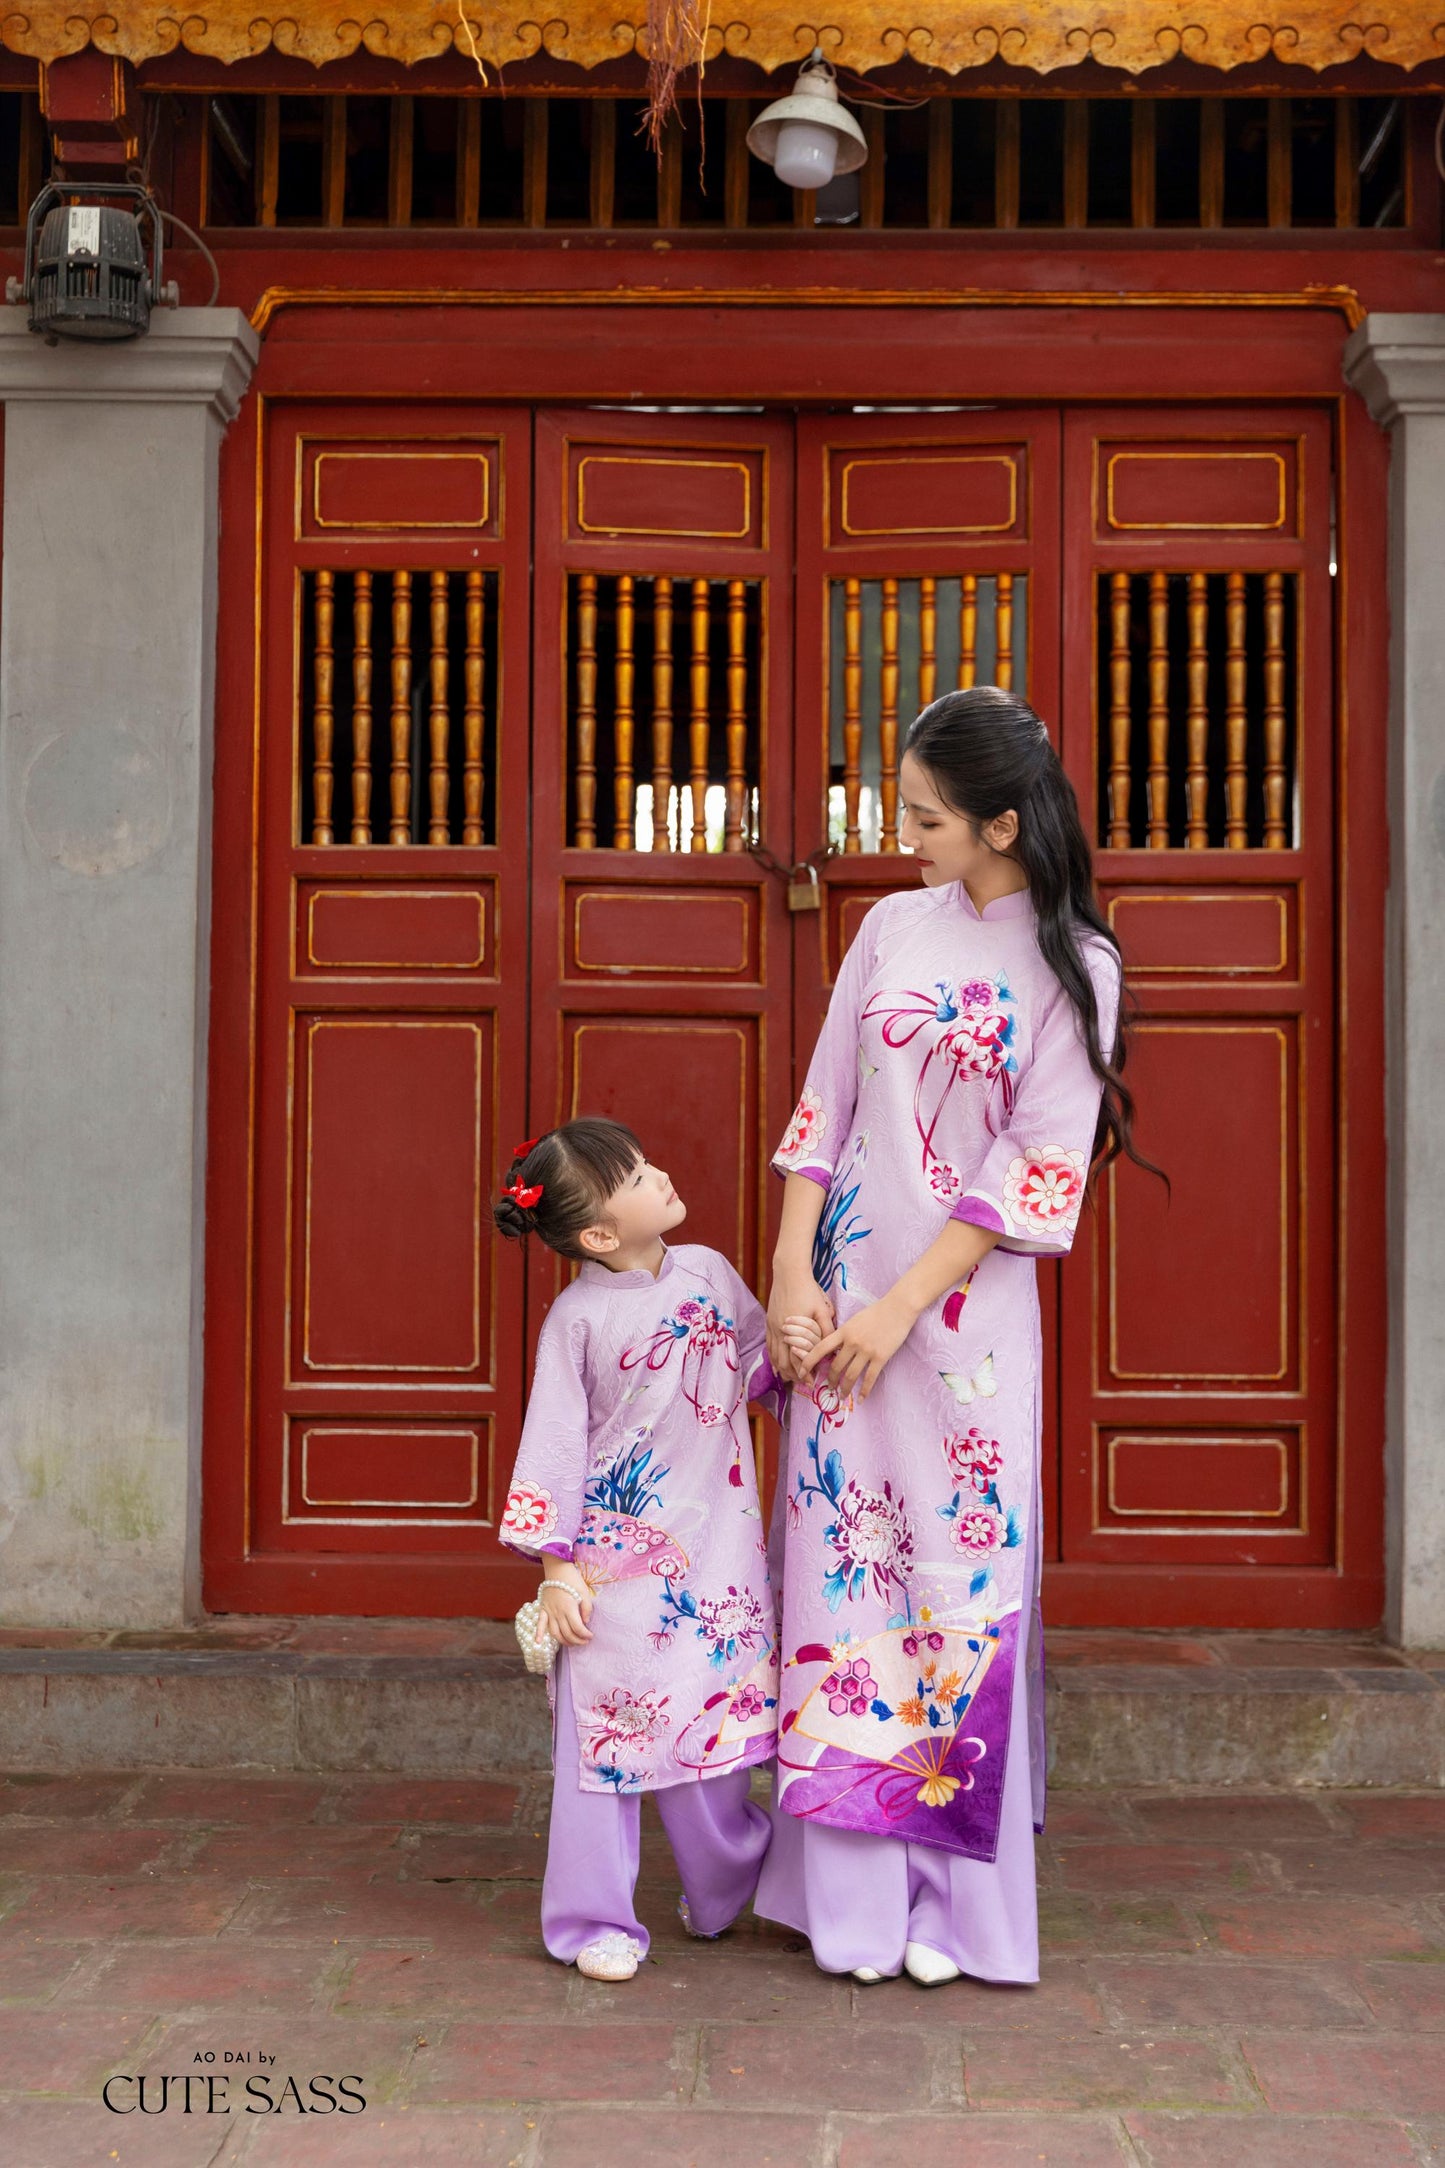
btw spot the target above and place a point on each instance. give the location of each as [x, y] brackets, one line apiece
[950, 1080]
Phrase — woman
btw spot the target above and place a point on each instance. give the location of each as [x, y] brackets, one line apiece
[966, 1076]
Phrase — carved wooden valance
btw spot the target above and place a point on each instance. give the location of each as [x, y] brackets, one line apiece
[951, 35]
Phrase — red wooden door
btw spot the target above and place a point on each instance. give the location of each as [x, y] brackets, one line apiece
[663, 753]
[928, 559]
[385, 1348]
[1202, 1475]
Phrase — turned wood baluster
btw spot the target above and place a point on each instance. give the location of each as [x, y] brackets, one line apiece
[1003, 627]
[927, 641]
[700, 719]
[1158, 711]
[888, 721]
[737, 724]
[1120, 717]
[852, 710]
[1275, 834]
[438, 829]
[323, 714]
[361, 709]
[967, 631]
[661, 712]
[623, 676]
[401, 707]
[586, 837]
[472, 713]
[1196, 782]
[1236, 722]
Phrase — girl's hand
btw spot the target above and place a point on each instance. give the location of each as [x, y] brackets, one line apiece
[795, 1303]
[801, 1335]
[567, 1601]
[860, 1349]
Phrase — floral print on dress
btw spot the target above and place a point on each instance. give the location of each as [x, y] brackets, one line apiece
[978, 1524]
[530, 1514]
[1043, 1190]
[620, 1733]
[706, 1336]
[800, 1138]
[968, 1030]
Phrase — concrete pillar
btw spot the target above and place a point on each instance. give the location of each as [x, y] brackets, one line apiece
[107, 638]
[1397, 364]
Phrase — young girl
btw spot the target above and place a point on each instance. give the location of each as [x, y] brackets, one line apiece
[635, 1485]
[966, 1077]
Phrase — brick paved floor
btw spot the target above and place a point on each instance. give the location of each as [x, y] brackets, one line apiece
[1242, 1982]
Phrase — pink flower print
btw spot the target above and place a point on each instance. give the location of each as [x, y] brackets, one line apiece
[976, 1044]
[872, 1542]
[806, 1127]
[851, 1689]
[730, 1622]
[969, 1453]
[710, 1414]
[834, 1406]
[977, 994]
[945, 1181]
[749, 1701]
[627, 1724]
[979, 1529]
[530, 1514]
[1043, 1190]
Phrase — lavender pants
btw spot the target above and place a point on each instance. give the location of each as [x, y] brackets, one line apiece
[718, 1838]
[859, 1898]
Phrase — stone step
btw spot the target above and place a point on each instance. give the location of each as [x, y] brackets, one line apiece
[450, 1698]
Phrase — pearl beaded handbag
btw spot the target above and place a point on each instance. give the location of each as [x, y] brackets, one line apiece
[535, 1638]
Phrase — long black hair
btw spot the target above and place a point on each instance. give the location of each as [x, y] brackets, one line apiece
[576, 1168]
[987, 754]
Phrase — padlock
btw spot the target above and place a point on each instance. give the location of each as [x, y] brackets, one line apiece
[804, 894]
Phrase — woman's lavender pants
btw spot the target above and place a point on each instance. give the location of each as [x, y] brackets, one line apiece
[718, 1839]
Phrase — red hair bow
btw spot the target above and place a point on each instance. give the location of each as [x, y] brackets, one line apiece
[525, 1193]
[520, 1151]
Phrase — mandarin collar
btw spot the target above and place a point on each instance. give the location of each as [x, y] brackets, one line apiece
[1017, 904]
[596, 1274]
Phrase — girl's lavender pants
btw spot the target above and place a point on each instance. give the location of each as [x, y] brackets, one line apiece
[718, 1839]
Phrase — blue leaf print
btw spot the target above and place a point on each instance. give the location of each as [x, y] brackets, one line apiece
[686, 1604]
[833, 1476]
[979, 1582]
[881, 1710]
[934, 1719]
[1015, 1533]
[948, 1512]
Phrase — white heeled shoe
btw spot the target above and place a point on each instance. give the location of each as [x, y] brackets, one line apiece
[930, 1968]
[867, 1975]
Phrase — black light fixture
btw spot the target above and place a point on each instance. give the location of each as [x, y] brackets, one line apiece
[86, 274]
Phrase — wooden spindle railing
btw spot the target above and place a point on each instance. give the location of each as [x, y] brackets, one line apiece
[623, 677]
[967, 631]
[1236, 721]
[1003, 628]
[928, 628]
[472, 713]
[1275, 832]
[737, 721]
[439, 720]
[323, 714]
[661, 712]
[585, 719]
[888, 720]
[1120, 716]
[401, 707]
[700, 713]
[852, 711]
[361, 607]
[1158, 786]
[1196, 780]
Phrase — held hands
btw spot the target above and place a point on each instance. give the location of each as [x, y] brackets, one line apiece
[859, 1349]
[567, 1601]
[798, 1314]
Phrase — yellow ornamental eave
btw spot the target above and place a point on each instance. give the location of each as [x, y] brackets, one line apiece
[951, 35]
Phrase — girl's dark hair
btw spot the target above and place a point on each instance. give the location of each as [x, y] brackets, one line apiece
[988, 754]
[578, 1166]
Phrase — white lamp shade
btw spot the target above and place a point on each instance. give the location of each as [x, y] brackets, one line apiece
[811, 111]
[805, 154]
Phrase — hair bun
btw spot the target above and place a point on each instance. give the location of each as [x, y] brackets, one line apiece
[509, 1218]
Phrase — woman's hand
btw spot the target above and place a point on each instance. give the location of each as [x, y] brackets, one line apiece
[798, 1311]
[860, 1349]
[567, 1601]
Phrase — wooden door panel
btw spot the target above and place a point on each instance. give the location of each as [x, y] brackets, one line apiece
[1198, 1372]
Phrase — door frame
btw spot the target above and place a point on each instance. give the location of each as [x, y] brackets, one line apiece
[899, 348]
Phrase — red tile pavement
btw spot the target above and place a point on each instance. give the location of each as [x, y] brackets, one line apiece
[387, 1927]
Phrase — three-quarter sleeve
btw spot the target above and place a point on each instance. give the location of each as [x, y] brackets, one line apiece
[1030, 1188]
[824, 1113]
[544, 1503]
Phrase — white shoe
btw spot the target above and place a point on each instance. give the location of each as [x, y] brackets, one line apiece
[930, 1968]
[867, 1975]
[613, 1956]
